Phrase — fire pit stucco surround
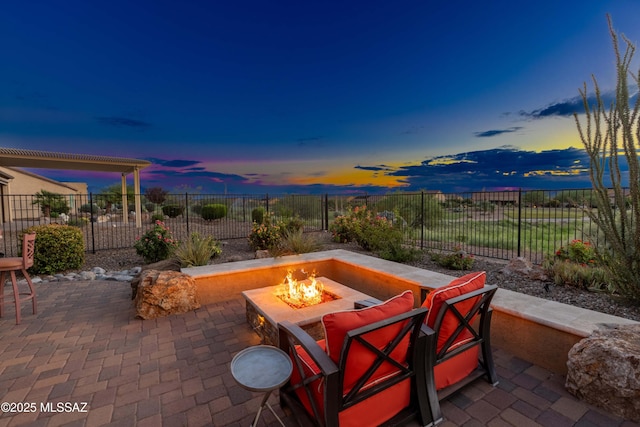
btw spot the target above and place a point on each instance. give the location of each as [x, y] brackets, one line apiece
[534, 329]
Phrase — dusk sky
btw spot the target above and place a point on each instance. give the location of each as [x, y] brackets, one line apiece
[309, 96]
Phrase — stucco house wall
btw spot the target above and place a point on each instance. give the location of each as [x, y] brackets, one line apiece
[18, 186]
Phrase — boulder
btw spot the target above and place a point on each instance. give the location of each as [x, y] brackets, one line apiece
[604, 370]
[523, 267]
[171, 264]
[161, 293]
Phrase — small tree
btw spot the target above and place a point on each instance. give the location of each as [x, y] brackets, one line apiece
[606, 135]
[156, 195]
[50, 202]
[113, 195]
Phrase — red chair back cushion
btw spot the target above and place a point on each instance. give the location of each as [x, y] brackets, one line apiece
[460, 286]
[336, 325]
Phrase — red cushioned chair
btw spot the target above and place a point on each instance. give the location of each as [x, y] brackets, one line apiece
[457, 326]
[366, 372]
[14, 264]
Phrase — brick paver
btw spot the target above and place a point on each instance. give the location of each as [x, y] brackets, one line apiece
[86, 346]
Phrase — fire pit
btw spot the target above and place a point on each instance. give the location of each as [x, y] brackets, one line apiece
[268, 306]
[303, 293]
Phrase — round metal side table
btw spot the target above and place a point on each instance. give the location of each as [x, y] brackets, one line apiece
[262, 368]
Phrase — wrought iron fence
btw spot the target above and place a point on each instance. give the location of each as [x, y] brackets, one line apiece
[502, 225]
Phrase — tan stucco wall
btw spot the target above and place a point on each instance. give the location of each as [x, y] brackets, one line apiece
[80, 187]
[27, 184]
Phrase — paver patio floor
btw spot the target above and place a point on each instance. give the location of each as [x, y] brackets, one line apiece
[86, 347]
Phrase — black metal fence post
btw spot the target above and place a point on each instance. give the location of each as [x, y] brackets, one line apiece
[519, 220]
[92, 221]
[186, 210]
[422, 220]
[326, 212]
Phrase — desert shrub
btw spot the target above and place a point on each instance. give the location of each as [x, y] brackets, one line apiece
[173, 211]
[257, 215]
[197, 250]
[577, 251]
[156, 244]
[581, 276]
[292, 225]
[58, 248]
[457, 260]
[87, 208]
[577, 265]
[343, 228]
[295, 242]
[78, 222]
[394, 251]
[371, 232]
[266, 235]
[157, 217]
[214, 211]
[375, 233]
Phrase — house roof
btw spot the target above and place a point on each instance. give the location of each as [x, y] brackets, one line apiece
[52, 160]
[36, 176]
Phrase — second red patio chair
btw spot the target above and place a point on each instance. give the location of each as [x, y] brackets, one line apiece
[458, 327]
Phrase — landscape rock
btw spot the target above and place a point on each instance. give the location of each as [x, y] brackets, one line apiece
[604, 370]
[523, 267]
[164, 265]
[161, 293]
[87, 275]
[260, 254]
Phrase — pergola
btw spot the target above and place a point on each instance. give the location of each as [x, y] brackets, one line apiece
[50, 160]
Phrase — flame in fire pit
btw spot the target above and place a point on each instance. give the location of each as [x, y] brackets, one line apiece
[304, 293]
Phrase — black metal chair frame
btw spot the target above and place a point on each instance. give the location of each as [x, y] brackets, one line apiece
[478, 322]
[291, 335]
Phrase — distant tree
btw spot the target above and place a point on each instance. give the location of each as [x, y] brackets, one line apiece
[113, 195]
[535, 198]
[576, 198]
[156, 195]
[486, 206]
[410, 207]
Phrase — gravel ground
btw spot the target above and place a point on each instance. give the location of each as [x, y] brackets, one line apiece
[238, 250]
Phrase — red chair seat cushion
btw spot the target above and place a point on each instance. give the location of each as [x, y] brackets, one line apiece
[456, 368]
[382, 406]
[373, 411]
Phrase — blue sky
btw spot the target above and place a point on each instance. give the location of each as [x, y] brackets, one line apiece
[289, 96]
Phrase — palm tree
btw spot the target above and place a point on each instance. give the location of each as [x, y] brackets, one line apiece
[50, 202]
